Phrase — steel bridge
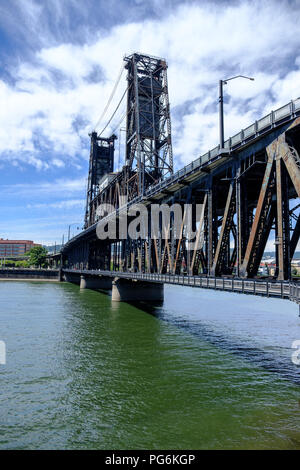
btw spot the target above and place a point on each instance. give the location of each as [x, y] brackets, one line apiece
[248, 191]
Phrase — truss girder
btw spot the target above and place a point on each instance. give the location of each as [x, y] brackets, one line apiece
[246, 210]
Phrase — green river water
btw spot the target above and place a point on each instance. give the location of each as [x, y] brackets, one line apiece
[205, 370]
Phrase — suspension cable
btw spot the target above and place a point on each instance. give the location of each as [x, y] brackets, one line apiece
[120, 121]
[113, 114]
[111, 97]
[123, 115]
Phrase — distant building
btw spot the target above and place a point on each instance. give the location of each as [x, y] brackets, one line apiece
[15, 247]
[267, 267]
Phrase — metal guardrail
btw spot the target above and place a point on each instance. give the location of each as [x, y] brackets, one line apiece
[295, 292]
[263, 125]
[282, 289]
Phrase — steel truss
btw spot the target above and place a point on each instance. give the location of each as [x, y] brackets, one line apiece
[248, 197]
[149, 157]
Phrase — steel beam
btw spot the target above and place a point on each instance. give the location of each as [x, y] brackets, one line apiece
[224, 237]
[263, 204]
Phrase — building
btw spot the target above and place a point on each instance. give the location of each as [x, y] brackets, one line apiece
[15, 247]
[295, 266]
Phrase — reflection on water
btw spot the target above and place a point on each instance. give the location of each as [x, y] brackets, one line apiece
[204, 370]
[262, 334]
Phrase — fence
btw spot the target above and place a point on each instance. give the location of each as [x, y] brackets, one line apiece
[283, 289]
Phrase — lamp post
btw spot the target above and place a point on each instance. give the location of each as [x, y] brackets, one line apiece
[75, 223]
[221, 111]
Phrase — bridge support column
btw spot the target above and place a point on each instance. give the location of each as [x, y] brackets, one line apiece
[95, 282]
[82, 282]
[134, 291]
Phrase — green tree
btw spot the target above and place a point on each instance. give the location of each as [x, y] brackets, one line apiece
[9, 263]
[22, 264]
[37, 256]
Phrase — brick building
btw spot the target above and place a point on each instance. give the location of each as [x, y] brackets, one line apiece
[15, 247]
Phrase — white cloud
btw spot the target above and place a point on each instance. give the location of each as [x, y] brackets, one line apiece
[54, 98]
[60, 186]
[67, 204]
[54, 101]
[58, 163]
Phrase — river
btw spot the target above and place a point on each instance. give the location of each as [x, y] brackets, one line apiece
[205, 370]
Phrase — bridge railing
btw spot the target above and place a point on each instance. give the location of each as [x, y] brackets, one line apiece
[281, 289]
[259, 127]
[295, 292]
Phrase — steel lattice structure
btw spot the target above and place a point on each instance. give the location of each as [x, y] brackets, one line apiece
[148, 128]
[101, 164]
[149, 157]
[249, 195]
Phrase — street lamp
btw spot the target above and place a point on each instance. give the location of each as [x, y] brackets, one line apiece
[75, 223]
[221, 113]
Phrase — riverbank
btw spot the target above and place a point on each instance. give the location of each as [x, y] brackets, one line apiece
[16, 274]
[28, 279]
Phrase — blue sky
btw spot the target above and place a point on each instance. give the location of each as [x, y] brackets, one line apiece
[59, 62]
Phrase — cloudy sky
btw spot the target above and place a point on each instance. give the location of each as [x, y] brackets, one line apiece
[60, 60]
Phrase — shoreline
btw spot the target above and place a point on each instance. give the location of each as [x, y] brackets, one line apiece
[28, 279]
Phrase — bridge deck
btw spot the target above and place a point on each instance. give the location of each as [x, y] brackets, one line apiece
[247, 192]
[281, 289]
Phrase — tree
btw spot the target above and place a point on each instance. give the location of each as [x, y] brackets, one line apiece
[294, 271]
[22, 264]
[37, 256]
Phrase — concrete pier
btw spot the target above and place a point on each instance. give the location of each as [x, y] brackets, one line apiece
[95, 282]
[135, 291]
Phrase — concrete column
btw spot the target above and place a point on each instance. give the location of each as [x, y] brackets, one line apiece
[124, 290]
[67, 277]
[60, 275]
[83, 282]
